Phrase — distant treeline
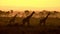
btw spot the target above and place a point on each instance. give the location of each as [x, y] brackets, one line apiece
[37, 14]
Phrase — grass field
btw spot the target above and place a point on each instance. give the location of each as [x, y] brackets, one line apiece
[52, 26]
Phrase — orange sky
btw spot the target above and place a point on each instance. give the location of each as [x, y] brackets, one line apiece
[30, 4]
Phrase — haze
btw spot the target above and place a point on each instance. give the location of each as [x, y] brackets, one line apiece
[30, 5]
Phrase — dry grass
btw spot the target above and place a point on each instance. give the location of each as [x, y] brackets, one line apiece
[52, 27]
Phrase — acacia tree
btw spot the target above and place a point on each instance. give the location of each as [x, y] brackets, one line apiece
[11, 11]
[26, 12]
[0, 12]
[55, 13]
[7, 13]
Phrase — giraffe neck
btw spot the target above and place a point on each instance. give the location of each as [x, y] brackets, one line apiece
[30, 15]
[15, 16]
[46, 17]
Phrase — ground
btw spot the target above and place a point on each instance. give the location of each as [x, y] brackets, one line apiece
[52, 27]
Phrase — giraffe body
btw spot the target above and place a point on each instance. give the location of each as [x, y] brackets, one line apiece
[12, 20]
[43, 21]
[27, 19]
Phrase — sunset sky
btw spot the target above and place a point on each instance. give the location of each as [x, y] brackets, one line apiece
[30, 4]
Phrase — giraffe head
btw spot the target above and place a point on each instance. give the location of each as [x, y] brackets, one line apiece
[49, 13]
[33, 12]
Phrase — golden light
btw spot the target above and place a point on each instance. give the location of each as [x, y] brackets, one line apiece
[30, 4]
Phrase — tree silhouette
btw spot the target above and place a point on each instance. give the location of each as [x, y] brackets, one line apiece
[11, 11]
[27, 12]
[55, 13]
[1, 12]
[41, 14]
[7, 13]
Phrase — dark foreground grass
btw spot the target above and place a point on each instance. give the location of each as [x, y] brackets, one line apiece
[30, 30]
[52, 26]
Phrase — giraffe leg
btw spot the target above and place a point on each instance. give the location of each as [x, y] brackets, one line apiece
[44, 23]
[23, 23]
[41, 23]
[28, 24]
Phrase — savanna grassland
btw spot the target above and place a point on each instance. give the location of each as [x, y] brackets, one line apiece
[52, 26]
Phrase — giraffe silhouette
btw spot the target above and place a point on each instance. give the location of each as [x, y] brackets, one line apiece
[12, 20]
[43, 21]
[27, 19]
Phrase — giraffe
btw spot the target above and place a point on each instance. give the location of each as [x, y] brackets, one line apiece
[12, 20]
[27, 19]
[43, 21]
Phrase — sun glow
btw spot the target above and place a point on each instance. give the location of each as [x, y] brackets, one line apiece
[30, 4]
